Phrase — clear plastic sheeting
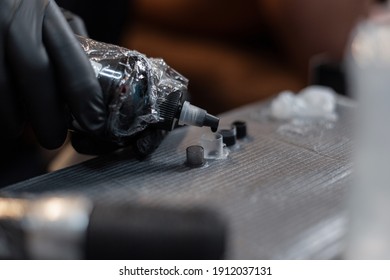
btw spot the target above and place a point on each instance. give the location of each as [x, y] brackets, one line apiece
[283, 196]
[312, 102]
[134, 86]
[308, 114]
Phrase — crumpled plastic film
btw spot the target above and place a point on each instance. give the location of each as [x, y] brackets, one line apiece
[134, 86]
[313, 102]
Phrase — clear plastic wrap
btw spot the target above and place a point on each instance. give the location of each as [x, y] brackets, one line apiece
[134, 86]
[313, 102]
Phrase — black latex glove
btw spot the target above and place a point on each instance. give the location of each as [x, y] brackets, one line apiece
[44, 73]
[142, 144]
[75, 22]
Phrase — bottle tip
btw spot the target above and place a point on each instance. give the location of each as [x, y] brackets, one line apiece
[212, 122]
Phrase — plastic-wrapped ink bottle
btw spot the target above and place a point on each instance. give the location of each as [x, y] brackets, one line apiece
[141, 92]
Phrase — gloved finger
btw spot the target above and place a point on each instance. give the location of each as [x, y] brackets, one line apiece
[31, 68]
[81, 89]
[75, 22]
[11, 120]
[89, 145]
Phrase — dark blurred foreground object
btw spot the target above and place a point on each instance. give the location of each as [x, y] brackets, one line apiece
[76, 228]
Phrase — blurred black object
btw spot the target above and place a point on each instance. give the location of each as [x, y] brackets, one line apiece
[104, 20]
[135, 232]
[329, 74]
[73, 227]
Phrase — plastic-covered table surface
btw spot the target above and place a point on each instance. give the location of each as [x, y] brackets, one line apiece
[282, 192]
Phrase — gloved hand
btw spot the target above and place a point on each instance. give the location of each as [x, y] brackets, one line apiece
[44, 74]
[75, 22]
[143, 144]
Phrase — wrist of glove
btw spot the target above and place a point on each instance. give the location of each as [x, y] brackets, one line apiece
[45, 74]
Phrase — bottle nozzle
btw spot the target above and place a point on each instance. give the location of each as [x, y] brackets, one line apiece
[211, 121]
[192, 115]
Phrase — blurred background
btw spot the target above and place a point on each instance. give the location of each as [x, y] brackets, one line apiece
[233, 52]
